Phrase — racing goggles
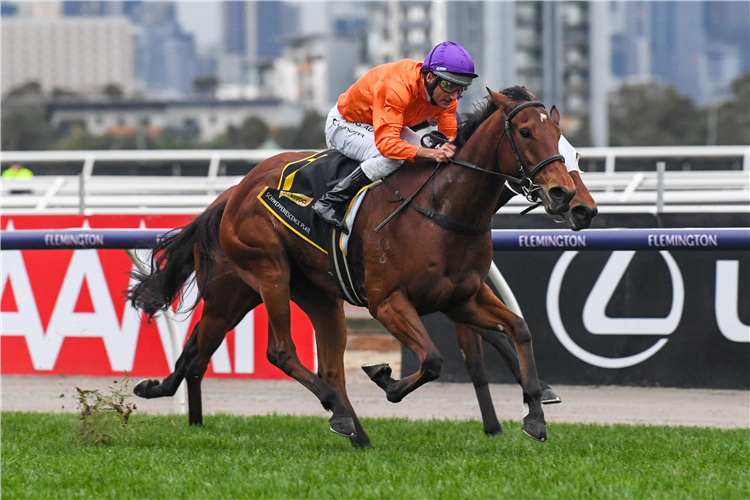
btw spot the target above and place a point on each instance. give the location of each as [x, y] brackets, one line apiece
[450, 87]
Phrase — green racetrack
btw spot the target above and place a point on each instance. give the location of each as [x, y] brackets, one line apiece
[298, 457]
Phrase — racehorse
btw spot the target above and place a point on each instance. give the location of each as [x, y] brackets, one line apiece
[275, 266]
[219, 317]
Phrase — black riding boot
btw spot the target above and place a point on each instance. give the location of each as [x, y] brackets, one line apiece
[332, 206]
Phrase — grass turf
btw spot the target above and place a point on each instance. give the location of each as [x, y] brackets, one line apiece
[297, 457]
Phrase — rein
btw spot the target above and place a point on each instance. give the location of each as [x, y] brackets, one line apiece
[525, 183]
[440, 219]
[407, 201]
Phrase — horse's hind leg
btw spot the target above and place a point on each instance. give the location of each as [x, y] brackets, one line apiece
[508, 353]
[487, 312]
[152, 388]
[220, 315]
[327, 317]
[270, 275]
[471, 345]
[283, 355]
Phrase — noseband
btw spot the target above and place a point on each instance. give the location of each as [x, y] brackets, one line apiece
[526, 182]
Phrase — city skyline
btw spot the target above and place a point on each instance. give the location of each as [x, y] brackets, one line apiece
[305, 54]
[202, 19]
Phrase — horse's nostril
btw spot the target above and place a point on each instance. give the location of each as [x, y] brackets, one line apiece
[581, 213]
[582, 216]
[560, 198]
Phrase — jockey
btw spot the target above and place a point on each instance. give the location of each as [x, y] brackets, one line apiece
[371, 119]
[369, 122]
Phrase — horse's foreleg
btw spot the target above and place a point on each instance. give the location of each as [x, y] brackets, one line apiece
[487, 312]
[471, 345]
[327, 317]
[400, 318]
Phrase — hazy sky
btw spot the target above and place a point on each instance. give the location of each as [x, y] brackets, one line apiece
[201, 18]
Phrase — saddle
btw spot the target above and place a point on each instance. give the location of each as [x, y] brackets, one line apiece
[302, 182]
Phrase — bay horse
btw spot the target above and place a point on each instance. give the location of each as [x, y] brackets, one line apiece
[221, 313]
[276, 267]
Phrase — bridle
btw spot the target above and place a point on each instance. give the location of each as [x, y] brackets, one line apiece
[525, 184]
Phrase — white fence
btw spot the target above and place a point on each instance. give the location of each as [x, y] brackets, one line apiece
[613, 190]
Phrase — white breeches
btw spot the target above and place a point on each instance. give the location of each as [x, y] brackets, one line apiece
[357, 141]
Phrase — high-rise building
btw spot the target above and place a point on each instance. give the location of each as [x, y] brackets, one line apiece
[92, 8]
[678, 41]
[30, 9]
[8, 9]
[698, 47]
[166, 62]
[399, 30]
[82, 54]
[130, 7]
[631, 25]
[558, 50]
[322, 67]
[254, 33]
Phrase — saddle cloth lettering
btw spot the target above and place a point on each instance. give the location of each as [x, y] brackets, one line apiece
[302, 182]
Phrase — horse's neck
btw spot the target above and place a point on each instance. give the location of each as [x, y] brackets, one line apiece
[462, 193]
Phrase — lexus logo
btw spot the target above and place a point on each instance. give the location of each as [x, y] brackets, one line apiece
[597, 322]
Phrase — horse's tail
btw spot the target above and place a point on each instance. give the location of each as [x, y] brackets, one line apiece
[173, 263]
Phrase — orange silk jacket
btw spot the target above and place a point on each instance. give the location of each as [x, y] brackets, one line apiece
[392, 96]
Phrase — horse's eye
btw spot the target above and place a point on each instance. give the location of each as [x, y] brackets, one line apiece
[525, 133]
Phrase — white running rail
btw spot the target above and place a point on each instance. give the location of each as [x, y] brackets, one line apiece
[613, 190]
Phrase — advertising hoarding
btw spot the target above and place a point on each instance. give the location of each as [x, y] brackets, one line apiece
[64, 312]
[644, 318]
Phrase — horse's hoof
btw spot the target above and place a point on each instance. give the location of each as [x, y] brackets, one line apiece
[535, 429]
[360, 444]
[494, 430]
[343, 426]
[379, 373]
[146, 389]
[550, 397]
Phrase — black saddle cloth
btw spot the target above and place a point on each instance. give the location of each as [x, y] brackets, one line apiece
[302, 182]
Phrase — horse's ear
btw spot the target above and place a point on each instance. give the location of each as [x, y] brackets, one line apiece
[500, 100]
[555, 115]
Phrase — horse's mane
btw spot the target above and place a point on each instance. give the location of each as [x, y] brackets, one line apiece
[482, 110]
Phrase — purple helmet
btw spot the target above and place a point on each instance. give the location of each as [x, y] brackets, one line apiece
[450, 62]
